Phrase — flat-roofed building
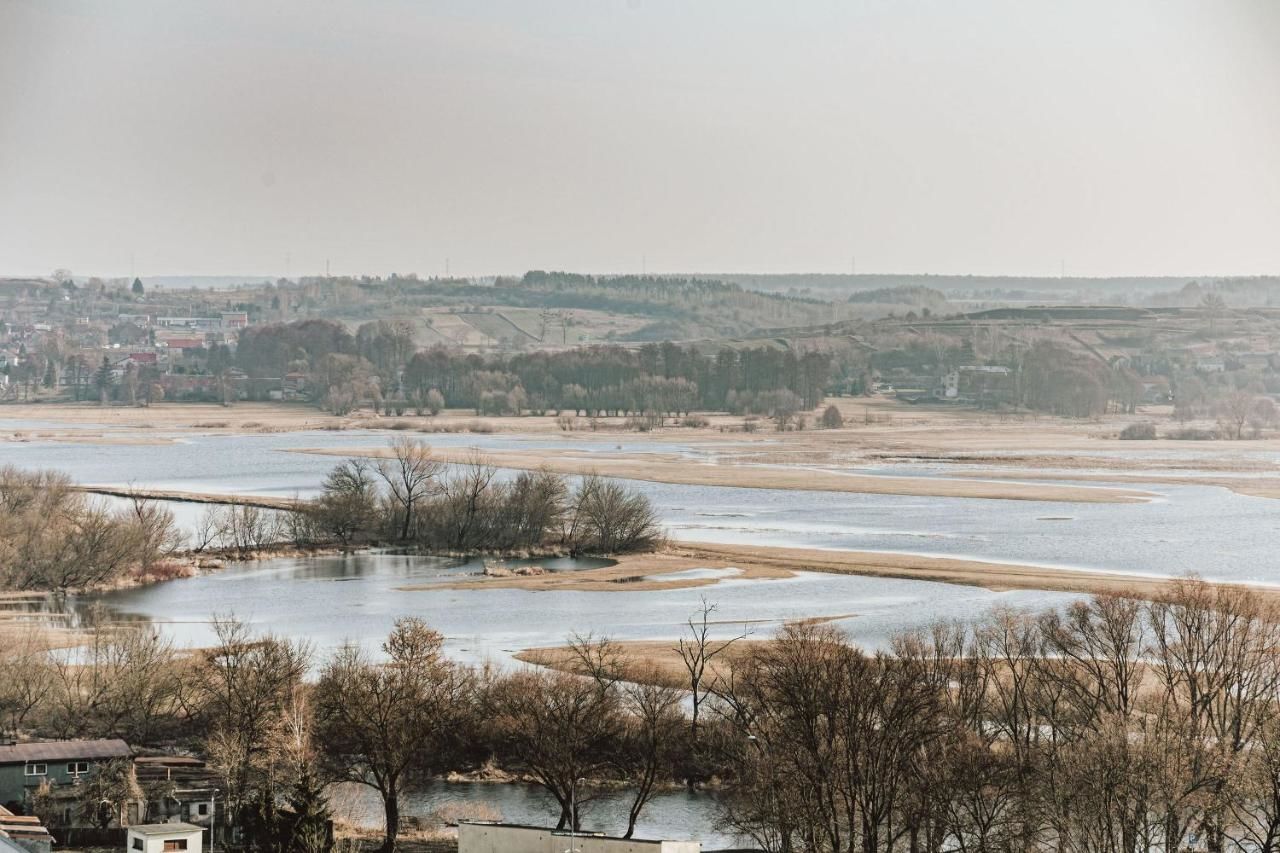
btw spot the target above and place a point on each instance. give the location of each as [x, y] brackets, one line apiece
[165, 838]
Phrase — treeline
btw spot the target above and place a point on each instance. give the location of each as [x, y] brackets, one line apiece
[388, 721]
[411, 498]
[1111, 726]
[55, 538]
[379, 364]
[1115, 726]
[1045, 375]
[656, 378]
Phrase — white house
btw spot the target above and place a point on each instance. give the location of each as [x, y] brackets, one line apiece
[165, 838]
[509, 838]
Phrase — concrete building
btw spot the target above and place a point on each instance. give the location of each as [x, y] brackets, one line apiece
[165, 838]
[510, 838]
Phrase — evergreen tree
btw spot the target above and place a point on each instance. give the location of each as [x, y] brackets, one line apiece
[261, 822]
[138, 290]
[102, 380]
[309, 831]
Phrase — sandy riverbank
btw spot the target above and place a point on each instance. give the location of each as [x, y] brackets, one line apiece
[1257, 487]
[672, 468]
[645, 572]
[645, 661]
[878, 431]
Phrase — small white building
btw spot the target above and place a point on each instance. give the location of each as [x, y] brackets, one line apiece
[165, 838]
[482, 837]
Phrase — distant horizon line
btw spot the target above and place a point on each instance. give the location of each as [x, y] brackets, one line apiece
[266, 277]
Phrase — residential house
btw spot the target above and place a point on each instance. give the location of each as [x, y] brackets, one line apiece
[175, 787]
[24, 767]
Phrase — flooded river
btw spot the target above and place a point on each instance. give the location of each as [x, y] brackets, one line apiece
[1204, 529]
[356, 598]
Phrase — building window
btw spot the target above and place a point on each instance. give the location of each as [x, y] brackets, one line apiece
[76, 768]
[204, 809]
[34, 769]
[175, 844]
[137, 844]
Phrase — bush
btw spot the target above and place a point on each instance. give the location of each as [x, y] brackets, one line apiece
[695, 421]
[1144, 431]
[832, 419]
[1193, 434]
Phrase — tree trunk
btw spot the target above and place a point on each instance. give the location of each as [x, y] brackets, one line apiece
[391, 807]
[408, 515]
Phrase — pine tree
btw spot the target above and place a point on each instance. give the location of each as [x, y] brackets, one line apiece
[310, 807]
[261, 822]
[138, 289]
[102, 379]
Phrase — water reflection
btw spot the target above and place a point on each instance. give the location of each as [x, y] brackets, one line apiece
[357, 598]
[674, 814]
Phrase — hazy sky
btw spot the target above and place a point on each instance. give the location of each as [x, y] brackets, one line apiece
[957, 136]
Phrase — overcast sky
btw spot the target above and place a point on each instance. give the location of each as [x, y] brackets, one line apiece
[1125, 137]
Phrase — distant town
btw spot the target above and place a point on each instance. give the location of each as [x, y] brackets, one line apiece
[504, 346]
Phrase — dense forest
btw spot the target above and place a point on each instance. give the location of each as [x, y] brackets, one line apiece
[379, 362]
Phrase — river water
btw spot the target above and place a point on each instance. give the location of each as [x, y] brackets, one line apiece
[356, 598]
[1203, 529]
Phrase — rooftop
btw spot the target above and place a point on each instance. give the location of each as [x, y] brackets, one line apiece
[164, 828]
[63, 750]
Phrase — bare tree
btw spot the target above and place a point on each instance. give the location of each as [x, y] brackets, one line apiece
[653, 739]
[697, 650]
[463, 499]
[379, 724]
[247, 685]
[564, 728]
[27, 678]
[410, 476]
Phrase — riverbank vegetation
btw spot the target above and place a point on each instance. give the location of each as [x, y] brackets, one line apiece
[55, 538]
[1113, 725]
[410, 498]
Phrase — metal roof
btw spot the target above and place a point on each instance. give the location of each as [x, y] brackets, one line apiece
[64, 750]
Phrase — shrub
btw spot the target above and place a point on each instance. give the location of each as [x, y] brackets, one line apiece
[1144, 431]
[638, 424]
[694, 421]
[831, 418]
[1193, 434]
